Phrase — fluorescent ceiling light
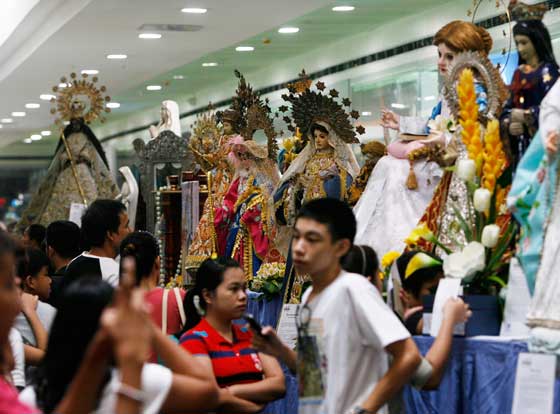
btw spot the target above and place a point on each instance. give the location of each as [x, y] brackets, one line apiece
[36, 137]
[46, 133]
[63, 85]
[194, 10]
[244, 48]
[28, 140]
[343, 8]
[32, 105]
[178, 77]
[209, 64]
[366, 113]
[286, 30]
[13, 13]
[149, 36]
[430, 98]
[398, 106]
[47, 97]
[90, 72]
[113, 105]
[6, 120]
[117, 56]
[18, 114]
[153, 87]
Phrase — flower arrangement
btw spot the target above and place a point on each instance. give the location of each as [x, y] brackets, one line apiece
[482, 261]
[386, 263]
[292, 147]
[269, 280]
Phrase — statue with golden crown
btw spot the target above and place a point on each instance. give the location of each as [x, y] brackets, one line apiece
[79, 172]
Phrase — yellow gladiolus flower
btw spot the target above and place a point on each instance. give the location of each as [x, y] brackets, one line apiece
[389, 258]
[494, 156]
[468, 115]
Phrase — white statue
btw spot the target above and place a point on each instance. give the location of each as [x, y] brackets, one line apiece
[169, 120]
[129, 194]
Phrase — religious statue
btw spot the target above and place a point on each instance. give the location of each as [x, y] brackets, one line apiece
[532, 80]
[219, 170]
[129, 195]
[169, 120]
[79, 172]
[535, 202]
[244, 223]
[403, 182]
[326, 166]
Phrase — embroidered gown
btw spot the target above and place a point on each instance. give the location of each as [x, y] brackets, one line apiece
[202, 245]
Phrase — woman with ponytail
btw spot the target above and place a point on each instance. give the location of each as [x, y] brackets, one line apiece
[166, 308]
[247, 379]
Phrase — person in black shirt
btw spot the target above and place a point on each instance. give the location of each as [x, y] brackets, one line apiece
[104, 225]
[62, 243]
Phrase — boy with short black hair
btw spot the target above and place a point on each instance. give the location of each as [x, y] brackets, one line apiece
[104, 226]
[63, 242]
[346, 332]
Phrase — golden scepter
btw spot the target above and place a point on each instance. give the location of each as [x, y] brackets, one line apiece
[73, 166]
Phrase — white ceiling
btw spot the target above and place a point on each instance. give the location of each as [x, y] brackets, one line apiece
[57, 37]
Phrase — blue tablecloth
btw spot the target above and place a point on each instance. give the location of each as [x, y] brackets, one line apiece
[480, 379]
[267, 313]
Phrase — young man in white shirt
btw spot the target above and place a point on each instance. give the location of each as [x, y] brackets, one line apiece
[346, 332]
[104, 225]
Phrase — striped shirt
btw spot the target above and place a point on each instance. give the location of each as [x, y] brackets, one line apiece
[233, 362]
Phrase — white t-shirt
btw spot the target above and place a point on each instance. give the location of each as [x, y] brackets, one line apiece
[16, 343]
[46, 314]
[156, 383]
[355, 326]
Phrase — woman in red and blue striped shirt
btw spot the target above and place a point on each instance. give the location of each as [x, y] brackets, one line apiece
[248, 379]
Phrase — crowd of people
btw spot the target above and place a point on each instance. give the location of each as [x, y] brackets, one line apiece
[84, 332]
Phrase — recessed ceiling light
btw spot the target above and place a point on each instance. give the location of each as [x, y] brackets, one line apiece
[194, 10]
[32, 105]
[113, 105]
[366, 113]
[287, 30]
[28, 140]
[117, 56]
[153, 87]
[90, 72]
[178, 77]
[343, 8]
[18, 114]
[244, 48]
[430, 98]
[63, 85]
[149, 36]
[36, 137]
[209, 64]
[47, 97]
[398, 106]
[46, 133]
[6, 120]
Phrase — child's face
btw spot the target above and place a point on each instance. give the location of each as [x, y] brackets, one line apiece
[40, 285]
[429, 288]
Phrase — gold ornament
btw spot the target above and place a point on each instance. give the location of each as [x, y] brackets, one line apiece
[80, 98]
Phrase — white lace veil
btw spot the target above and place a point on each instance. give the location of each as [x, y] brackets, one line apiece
[343, 155]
